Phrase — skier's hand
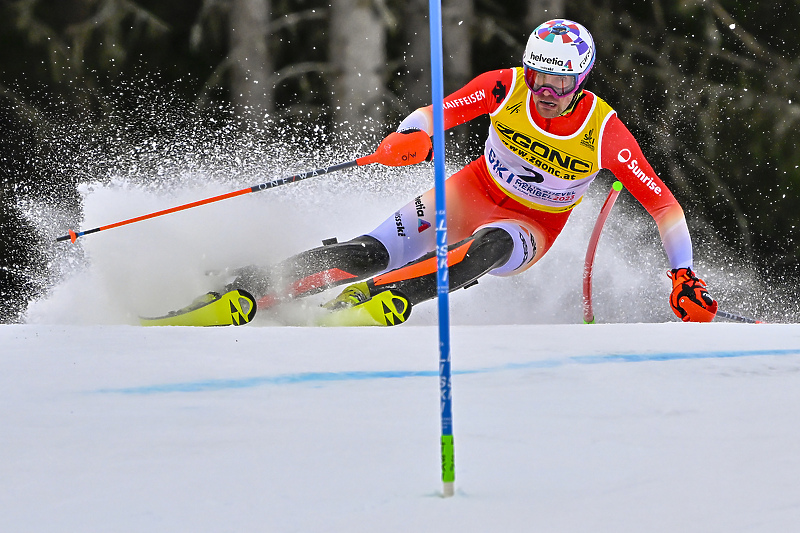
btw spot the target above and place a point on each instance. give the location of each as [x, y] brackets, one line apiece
[403, 148]
[690, 300]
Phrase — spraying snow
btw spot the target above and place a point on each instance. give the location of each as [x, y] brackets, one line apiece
[150, 267]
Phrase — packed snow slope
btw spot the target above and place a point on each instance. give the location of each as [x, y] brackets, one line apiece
[569, 428]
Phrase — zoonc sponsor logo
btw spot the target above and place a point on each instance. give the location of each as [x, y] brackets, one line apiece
[540, 153]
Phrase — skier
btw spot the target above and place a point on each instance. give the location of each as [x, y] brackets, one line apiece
[548, 139]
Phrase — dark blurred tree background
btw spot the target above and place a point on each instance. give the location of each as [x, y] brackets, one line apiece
[709, 88]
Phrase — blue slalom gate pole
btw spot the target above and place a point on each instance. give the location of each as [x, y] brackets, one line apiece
[443, 281]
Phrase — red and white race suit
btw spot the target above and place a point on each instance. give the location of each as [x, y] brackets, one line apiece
[532, 173]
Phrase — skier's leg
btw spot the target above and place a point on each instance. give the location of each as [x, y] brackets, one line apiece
[467, 260]
[502, 248]
[314, 270]
[387, 299]
[306, 273]
[488, 249]
[403, 236]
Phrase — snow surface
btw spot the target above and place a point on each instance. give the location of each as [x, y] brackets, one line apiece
[569, 428]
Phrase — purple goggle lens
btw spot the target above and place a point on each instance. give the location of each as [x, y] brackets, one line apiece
[560, 86]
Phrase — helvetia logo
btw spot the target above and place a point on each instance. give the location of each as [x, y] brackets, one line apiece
[539, 58]
[422, 225]
[420, 206]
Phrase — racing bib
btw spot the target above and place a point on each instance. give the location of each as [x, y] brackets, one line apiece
[541, 170]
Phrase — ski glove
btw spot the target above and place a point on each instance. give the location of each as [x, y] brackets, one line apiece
[690, 300]
[403, 148]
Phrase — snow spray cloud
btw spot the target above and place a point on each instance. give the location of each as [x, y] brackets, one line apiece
[122, 170]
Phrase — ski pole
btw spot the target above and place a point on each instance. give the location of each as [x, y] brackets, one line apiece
[588, 312]
[73, 235]
[736, 318]
[399, 151]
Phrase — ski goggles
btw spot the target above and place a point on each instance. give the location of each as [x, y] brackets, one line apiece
[560, 85]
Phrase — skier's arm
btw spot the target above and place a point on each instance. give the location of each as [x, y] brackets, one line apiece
[481, 96]
[411, 143]
[621, 154]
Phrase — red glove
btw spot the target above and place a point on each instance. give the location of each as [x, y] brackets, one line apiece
[402, 148]
[690, 300]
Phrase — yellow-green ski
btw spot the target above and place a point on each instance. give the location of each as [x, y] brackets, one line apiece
[236, 308]
[386, 308]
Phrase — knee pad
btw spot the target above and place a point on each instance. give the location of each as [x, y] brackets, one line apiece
[522, 244]
[493, 245]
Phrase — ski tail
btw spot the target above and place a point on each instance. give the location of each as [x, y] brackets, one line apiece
[234, 308]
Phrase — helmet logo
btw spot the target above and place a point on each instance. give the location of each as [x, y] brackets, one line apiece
[566, 33]
[548, 60]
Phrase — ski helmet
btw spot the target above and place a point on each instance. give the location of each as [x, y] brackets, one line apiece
[560, 47]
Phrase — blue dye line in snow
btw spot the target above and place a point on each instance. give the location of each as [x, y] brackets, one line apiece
[327, 377]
